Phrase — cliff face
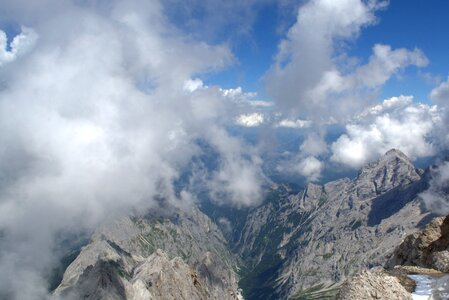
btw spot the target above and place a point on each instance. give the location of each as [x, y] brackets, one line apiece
[424, 255]
[295, 244]
[428, 248]
[124, 261]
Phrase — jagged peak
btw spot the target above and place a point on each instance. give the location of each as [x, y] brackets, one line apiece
[395, 153]
[391, 158]
[392, 169]
[313, 186]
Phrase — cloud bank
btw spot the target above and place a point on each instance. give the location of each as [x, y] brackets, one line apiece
[436, 197]
[312, 72]
[21, 44]
[396, 123]
[100, 115]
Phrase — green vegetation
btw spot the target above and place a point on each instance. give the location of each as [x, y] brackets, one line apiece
[322, 200]
[119, 270]
[317, 292]
[356, 224]
[258, 283]
[327, 256]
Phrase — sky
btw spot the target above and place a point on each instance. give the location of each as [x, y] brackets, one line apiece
[107, 107]
[407, 24]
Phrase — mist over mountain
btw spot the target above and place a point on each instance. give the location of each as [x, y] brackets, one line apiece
[215, 149]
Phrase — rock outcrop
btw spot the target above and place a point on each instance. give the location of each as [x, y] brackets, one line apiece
[124, 261]
[428, 248]
[374, 284]
[423, 254]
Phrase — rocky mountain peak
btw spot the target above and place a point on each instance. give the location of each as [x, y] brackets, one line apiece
[393, 169]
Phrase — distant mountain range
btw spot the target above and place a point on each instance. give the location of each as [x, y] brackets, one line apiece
[295, 245]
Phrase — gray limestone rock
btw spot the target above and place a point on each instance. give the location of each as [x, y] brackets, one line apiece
[374, 284]
[325, 234]
[124, 261]
[428, 248]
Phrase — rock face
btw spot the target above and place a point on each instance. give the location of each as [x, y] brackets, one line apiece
[124, 261]
[428, 248]
[295, 244]
[373, 285]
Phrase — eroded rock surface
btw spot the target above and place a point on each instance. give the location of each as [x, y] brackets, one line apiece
[373, 285]
[124, 261]
[428, 248]
[309, 241]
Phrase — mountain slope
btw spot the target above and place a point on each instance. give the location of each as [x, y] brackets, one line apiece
[309, 241]
[124, 260]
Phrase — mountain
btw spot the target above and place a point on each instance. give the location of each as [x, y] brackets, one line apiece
[124, 260]
[296, 244]
[300, 244]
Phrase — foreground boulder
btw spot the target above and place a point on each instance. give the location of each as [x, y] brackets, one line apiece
[428, 248]
[375, 284]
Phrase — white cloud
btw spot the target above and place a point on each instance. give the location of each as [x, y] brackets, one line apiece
[311, 168]
[260, 103]
[101, 117]
[192, 85]
[237, 94]
[385, 62]
[440, 97]
[396, 123]
[388, 104]
[307, 166]
[287, 123]
[20, 44]
[314, 144]
[306, 162]
[436, 197]
[238, 180]
[312, 73]
[250, 120]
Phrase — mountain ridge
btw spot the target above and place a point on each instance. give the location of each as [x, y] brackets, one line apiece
[293, 245]
[316, 234]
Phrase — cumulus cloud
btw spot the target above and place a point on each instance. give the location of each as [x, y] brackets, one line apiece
[396, 123]
[20, 44]
[440, 97]
[287, 123]
[102, 116]
[436, 197]
[250, 120]
[192, 85]
[312, 72]
[385, 62]
[309, 167]
[314, 144]
[306, 162]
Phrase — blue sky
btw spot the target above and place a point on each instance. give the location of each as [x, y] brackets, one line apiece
[408, 24]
